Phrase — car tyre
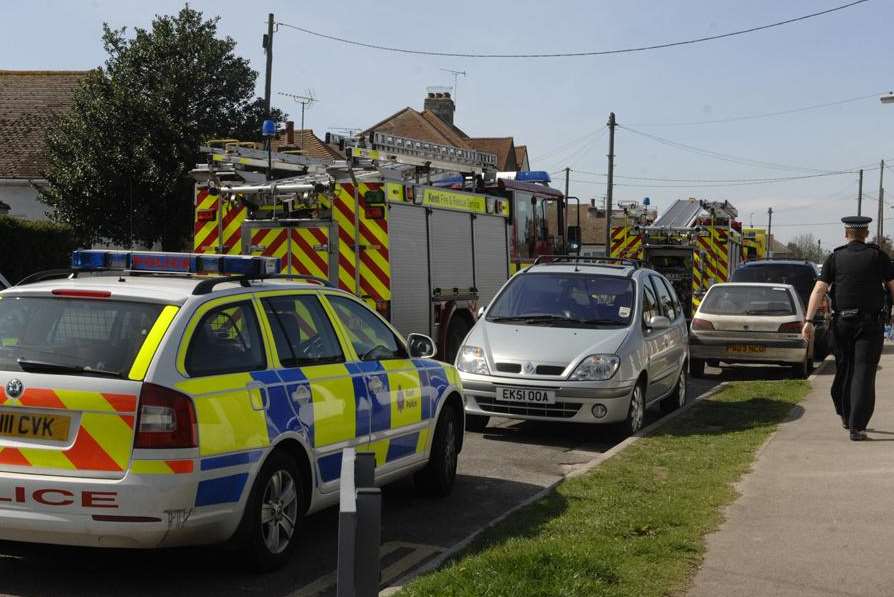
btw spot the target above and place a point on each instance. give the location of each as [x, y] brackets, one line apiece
[477, 423]
[636, 412]
[277, 503]
[438, 476]
[697, 368]
[677, 399]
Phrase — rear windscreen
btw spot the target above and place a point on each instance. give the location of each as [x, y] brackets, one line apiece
[802, 277]
[50, 334]
[748, 300]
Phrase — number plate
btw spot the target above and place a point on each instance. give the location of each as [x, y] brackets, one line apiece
[28, 425]
[528, 395]
[746, 348]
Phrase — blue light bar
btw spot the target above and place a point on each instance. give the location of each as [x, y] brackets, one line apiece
[185, 263]
[533, 176]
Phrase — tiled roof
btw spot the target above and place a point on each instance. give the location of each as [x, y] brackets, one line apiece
[30, 103]
[502, 146]
[309, 144]
[423, 126]
[521, 154]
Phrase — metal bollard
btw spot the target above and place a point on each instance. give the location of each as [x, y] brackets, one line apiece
[359, 527]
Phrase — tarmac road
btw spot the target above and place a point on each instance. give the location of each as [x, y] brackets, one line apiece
[502, 467]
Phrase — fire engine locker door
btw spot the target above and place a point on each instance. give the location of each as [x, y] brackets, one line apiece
[450, 241]
[308, 251]
[490, 256]
[267, 239]
[410, 292]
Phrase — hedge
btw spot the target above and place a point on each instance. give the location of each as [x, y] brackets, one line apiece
[27, 247]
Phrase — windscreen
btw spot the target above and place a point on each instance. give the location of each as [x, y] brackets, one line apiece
[72, 336]
[748, 300]
[564, 300]
[801, 276]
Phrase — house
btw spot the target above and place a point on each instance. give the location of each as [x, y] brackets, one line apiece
[30, 104]
[435, 125]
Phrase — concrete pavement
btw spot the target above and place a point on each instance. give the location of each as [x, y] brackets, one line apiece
[815, 517]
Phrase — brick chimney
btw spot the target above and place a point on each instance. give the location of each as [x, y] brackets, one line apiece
[441, 104]
[290, 132]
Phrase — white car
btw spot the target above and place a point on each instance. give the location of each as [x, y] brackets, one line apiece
[150, 409]
[740, 322]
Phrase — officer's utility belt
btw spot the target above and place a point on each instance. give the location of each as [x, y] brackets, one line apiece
[858, 315]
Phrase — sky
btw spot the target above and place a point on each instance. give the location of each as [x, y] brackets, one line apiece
[558, 107]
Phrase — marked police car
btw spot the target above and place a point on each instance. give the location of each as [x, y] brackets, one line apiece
[146, 409]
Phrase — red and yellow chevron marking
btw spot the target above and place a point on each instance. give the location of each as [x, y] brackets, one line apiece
[309, 257]
[625, 243]
[273, 242]
[375, 268]
[208, 208]
[104, 439]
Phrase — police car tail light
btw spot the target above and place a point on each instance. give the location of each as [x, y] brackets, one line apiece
[702, 324]
[792, 327]
[167, 419]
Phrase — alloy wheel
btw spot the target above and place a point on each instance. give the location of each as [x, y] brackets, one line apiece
[279, 511]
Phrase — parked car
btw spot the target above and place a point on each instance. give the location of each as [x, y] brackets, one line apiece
[750, 323]
[803, 276]
[579, 340]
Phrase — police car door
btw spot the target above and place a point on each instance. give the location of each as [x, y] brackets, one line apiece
[398, 434]
[654, 341]
[323, 397]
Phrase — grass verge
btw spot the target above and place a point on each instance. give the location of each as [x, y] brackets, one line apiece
[634, 526]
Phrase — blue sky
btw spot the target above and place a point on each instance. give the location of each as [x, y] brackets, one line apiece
[553, 105]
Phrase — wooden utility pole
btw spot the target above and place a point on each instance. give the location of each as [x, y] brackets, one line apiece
[268, 47]
[769, 232]
[880, 226]
[860, 195]
[563, 220]
[611, 179]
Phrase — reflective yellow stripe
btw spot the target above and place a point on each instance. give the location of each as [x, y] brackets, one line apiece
[151, 467]
[379, 448]
[422, 444]
[44, 458]
[84, 400]
[150, 344]
[406, 392]
[334, 407]
[112, 434]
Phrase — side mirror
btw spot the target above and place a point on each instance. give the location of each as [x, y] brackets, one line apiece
[573, 239]
[658, 322]
[421, 346]
[480, 312]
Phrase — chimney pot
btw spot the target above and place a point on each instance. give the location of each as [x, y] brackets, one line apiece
[441, 105]
[290, 132]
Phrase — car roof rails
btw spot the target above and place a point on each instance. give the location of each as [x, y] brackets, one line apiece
[206, 286]
[595, 260]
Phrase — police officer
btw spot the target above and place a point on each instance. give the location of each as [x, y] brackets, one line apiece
[860, 275]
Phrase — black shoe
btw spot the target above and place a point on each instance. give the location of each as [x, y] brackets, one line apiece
[844, 422]
[858, 436]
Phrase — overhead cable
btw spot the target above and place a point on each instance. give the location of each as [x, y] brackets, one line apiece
[570, 54]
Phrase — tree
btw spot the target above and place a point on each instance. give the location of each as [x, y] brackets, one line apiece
[806, 246]
[119, 161]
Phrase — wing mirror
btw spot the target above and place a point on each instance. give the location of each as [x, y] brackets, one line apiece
[421, 346]
[480, 312]
[659, 322]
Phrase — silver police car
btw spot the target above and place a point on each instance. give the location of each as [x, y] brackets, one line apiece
[586, 340]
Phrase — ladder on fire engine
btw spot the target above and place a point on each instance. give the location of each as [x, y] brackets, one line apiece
[236, 155]
[393, 149]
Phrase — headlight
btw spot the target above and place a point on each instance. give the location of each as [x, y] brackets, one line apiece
[597, 367]
[471, 360]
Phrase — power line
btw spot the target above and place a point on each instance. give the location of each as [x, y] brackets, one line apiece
[571, 54]
[763, 115]
[574, 141]
[724, 180]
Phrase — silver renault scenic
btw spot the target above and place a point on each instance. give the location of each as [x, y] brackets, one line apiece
[586, 340]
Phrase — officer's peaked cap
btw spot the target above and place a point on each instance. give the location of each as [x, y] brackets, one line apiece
[856, 221]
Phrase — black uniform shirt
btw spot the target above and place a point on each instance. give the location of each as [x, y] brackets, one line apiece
[857, 272]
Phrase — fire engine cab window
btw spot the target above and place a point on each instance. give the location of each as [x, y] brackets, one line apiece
[227, 340]
[371, 338]
[302, 331]
[650, 304]
[524, 225]
[72, 336]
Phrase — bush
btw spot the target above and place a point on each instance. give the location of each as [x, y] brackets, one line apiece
[27, 247]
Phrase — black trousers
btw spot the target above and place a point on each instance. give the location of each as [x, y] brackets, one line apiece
[858, 348]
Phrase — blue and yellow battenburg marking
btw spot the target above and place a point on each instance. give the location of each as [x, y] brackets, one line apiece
[310, 401]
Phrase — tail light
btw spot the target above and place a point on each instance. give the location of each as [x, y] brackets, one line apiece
[702, 324]
[792, 327]
[167, 419]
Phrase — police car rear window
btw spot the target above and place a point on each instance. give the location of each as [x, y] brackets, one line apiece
[72, 336]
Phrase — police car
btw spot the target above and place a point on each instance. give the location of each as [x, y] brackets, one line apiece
[152, 406]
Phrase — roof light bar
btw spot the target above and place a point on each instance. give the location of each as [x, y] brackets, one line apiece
[187, 263]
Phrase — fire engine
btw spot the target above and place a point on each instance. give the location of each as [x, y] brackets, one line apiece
[695, 244]
[754, 244]
[425, 233]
